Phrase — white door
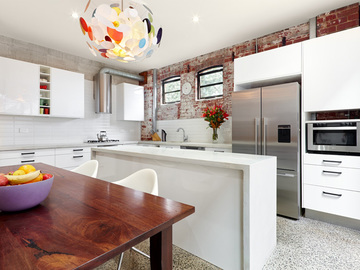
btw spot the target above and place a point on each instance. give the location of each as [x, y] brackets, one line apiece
[19, 87]
[67, 93]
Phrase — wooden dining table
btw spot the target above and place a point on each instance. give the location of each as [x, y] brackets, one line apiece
[84, 222]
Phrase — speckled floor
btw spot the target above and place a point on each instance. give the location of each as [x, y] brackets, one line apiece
[308, 244]
[304, 244]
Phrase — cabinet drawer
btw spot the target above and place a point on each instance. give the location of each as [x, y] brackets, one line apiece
[26, 153]
[73, 150]
[333, 201]
[50, 160]
[332, 160]
[343, 178]
[73, 160]
[220, 150]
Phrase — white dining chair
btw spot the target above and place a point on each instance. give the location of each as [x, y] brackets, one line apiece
[144, 180]
[89, 168]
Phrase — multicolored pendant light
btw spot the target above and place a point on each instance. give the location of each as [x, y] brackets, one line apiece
[125, 34]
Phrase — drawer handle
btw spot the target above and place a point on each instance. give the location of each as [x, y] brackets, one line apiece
[331, 194]
[332, 161]
[75, 150]
[331, 172]
[28, 153]
[286, 174]
[219, 151]
[27, 161]
[78, 156]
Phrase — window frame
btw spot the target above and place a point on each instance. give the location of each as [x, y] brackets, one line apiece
[169, 80]
[202, 73]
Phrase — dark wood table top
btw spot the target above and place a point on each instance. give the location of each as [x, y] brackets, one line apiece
[82, 223]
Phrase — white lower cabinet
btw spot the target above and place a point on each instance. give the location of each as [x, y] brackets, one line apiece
[8, 158]
[70, 158]
[331, 184]
[333, 201]
[65, 158]
[170, 146]
[219, 150]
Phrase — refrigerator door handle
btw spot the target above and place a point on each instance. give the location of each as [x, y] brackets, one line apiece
[264, 129]
[257, 126]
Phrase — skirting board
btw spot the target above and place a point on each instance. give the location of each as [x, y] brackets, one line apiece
[333, 219]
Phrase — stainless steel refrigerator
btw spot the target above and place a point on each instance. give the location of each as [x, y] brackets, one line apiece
[266, 121]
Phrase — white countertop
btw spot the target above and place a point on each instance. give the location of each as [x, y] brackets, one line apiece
[67, 145]
[179, 143]
[86, 144]
[223, 160]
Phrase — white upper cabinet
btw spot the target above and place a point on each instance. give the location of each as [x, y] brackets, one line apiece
[331, 79]
[67, 93]
[129, 102]
[268, 66]
[19, 87]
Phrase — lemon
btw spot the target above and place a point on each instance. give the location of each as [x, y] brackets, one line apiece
[27, 168]
[19, 172]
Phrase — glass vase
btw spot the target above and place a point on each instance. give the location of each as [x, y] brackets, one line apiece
[215, 135]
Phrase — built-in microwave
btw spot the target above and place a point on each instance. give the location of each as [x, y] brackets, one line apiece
[334, 137]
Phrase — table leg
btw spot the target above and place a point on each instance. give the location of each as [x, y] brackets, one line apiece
[161, 250]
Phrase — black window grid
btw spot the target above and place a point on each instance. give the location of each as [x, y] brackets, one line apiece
[211, 70]
[167, 81]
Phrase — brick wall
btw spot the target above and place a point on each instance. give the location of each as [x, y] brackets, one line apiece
[190, 107]
[337, 20]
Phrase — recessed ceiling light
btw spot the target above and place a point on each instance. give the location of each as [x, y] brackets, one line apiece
[75, 15]
[196, 19]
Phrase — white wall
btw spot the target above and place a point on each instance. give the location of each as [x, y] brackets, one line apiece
[197, 129]
[45, 130]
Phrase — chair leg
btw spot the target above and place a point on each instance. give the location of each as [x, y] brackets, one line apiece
[139, 251]
[120, 260]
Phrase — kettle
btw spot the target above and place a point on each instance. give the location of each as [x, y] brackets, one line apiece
[102, 137]
[163, 135]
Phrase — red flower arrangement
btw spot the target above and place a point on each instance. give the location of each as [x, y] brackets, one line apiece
[215, 116]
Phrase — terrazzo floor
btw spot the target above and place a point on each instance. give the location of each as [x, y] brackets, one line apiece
[304, 244]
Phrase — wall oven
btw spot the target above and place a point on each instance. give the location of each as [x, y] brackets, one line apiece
[334, 137]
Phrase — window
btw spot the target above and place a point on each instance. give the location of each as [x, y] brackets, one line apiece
[171, 90]
[210, 82]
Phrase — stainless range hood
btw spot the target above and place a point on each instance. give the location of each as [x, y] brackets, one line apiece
[103, 89]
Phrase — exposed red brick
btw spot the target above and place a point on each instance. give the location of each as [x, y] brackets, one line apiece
[189, 107]
[338, 20]
[330, 17]
[347, 25]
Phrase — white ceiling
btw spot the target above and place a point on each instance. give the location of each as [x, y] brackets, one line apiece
[222, 23]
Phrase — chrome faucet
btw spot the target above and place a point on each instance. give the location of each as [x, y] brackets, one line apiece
[185, 138]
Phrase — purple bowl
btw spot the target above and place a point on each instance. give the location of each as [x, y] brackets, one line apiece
[21, 197]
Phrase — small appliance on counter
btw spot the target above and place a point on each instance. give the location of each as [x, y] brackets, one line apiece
[163, 135]
[102, 136]
[103, 140]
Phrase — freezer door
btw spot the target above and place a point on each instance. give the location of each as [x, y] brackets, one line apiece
[280, 115]
[246, 117]
[288, 193]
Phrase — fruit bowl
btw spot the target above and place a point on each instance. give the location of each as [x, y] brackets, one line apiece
[25, 196]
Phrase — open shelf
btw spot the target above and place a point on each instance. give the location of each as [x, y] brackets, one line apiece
[45, 93]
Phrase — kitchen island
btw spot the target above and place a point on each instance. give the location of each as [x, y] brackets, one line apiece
[234, 226]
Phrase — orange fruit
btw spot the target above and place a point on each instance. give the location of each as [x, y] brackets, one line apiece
[37, 179]
[27, 168]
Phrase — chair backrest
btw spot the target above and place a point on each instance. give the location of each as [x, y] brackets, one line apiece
[144, 180]
[89, 168]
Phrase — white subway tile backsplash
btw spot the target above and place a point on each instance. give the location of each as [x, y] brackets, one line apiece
[197, 130]
[47, 130]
